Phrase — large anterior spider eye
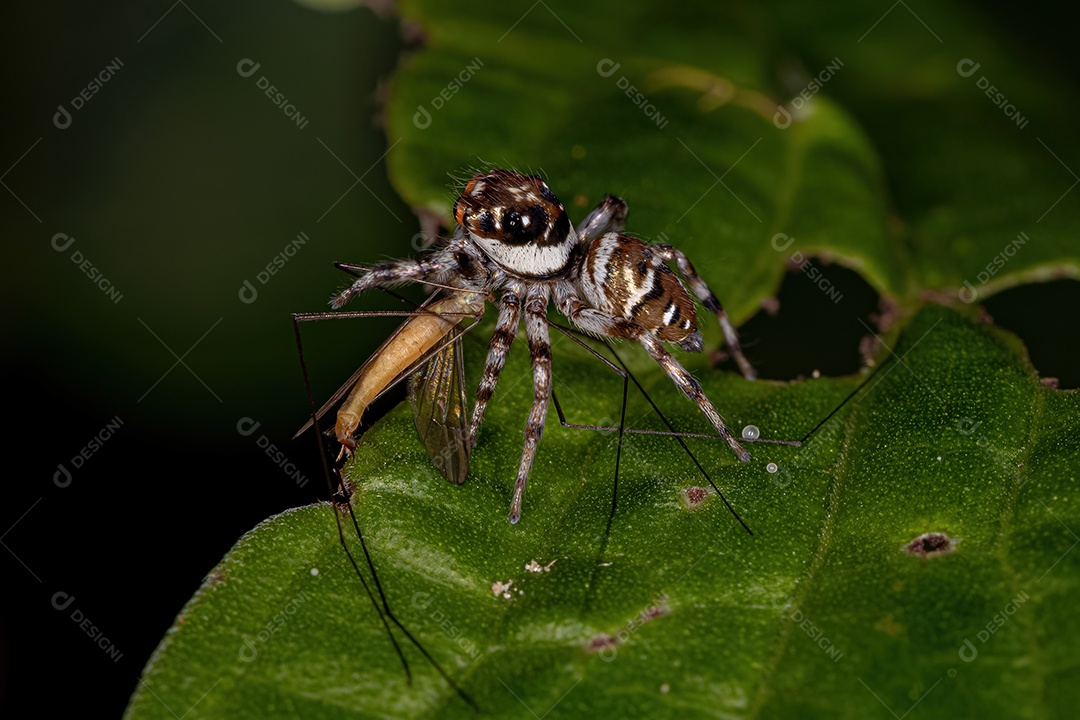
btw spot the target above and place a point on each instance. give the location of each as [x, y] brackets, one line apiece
[512, 223]
[486, 222]
[520, 228]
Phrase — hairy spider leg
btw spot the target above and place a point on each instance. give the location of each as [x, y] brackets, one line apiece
[670, 253]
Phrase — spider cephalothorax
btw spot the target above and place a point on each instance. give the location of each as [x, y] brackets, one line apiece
[518, 222]
[514, 241]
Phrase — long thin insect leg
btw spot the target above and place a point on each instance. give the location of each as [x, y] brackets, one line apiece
[536, 331]
[604, 324]
[337, 518]
[608, 216]
[341, 497]
[389, 613]
[675, 434]
[679, 439]
[498, 349]
[708, 299]
[845, 401]
[668, 433]
[614, 484]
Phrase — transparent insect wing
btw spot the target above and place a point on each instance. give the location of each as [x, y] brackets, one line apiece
[437, 397]
[405, 352]
[428, 342]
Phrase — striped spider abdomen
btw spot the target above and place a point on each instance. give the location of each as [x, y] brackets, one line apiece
[623, 277]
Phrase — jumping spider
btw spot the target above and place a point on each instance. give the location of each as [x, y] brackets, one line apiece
[514, 241]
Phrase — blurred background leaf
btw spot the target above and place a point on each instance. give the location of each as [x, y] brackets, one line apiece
[958, 182]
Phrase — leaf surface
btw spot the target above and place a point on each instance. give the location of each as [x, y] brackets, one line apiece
[816, 613]
[901, 167]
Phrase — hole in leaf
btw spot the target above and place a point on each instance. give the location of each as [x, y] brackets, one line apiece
[1044, 316]
[931, 544]
[815, 325]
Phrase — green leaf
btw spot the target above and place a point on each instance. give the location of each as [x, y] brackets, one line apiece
[901, 168]
[818, 612]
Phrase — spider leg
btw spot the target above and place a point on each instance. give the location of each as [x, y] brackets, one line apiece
[498, 350]
[457, 265]
[608, 216]
[671, 253]
[593, 321]
[536, 330]
[692, 389]
[624, 372]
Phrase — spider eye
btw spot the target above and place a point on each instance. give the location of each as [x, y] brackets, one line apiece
[524, 227]
[512, 223]
[518, 230]
[487, 223]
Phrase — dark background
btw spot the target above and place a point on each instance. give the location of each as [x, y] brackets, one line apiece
[180, 180]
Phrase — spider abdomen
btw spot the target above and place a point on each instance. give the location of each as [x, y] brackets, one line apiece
[623, 277]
